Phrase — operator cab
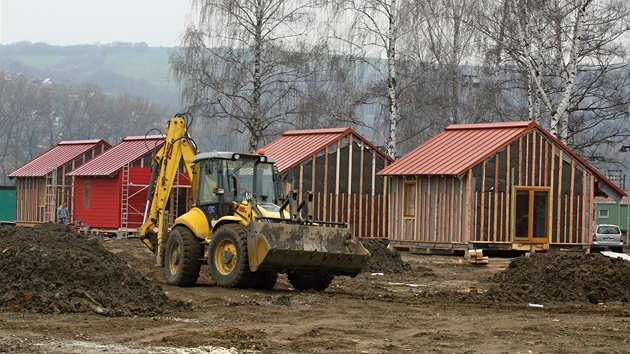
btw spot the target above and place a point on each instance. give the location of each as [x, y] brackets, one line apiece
[225, 177]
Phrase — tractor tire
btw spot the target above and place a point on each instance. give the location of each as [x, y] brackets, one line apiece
[264, 279]
[300, 280]
[227, 257]
[306, 280]
[182, 257]
[322, 280]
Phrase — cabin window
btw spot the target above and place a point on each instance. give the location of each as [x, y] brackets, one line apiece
[86, 194]
[410, 199]
[603, 213]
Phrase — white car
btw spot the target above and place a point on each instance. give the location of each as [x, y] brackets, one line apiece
[607, 236]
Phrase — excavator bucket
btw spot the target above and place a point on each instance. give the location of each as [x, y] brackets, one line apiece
[295, 246]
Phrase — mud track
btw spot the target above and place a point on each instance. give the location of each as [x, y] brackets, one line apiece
[61, 292]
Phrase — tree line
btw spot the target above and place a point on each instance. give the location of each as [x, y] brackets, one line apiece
[400, 70]
[36, 114]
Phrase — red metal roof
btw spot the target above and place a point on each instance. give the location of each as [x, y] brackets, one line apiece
[296, 146]
[56, 157]
[111, 161]
[458, 148]
[461, 146]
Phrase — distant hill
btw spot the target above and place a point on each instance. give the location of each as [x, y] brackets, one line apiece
[118, 67]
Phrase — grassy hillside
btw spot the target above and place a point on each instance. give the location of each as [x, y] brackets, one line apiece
[145, 65]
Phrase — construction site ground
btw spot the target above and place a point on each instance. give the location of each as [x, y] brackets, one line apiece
[61, 292]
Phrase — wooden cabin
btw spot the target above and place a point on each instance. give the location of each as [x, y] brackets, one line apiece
[510, 186]
[111, 190]
[339, 166]
[42, 183]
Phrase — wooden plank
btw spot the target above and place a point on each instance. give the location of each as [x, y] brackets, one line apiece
[314, 158]
[591, 205]
[534, 159]
[394, 210]
[571, 200]
[325, 206]
[362, 160]
[508, 191]
[552, 187]
[495, 230]
[350, 154]
[373, 189]
[460, 212]
[301, 181]
[468, 208]
[337, 163]
[520, 162]
[526, 161]
[351, 211]
[559, 196]
[482, 202]
[372, 217]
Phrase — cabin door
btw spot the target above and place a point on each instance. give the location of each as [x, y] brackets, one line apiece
[409, 210]
[531, 214]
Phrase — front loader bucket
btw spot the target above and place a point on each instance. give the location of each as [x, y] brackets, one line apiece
[293, 246]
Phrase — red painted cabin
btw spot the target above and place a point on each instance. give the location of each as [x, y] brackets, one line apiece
[111, 190]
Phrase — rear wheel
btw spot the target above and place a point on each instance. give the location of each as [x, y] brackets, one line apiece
[182, 257]
[264, 279]
[227, 257]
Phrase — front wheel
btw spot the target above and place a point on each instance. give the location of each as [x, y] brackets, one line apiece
[228, 259]
[306, 280]
[182, 257]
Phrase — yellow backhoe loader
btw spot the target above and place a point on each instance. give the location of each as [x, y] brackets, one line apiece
[240, 222]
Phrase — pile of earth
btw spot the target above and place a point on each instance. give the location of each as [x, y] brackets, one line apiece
[383, 260]
[543, 278]
[52, 269]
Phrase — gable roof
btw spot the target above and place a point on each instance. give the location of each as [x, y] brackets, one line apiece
[111, 161]
[56, 157]
[458, 148]
[295, 146]
[462, 146]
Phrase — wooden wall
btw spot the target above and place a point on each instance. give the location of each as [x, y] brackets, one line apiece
[37, 200]
[478, 207]
[105, 210]
[343, 179]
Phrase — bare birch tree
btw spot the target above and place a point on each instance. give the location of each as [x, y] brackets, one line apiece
[236, 62]
[373, 32]
[568, 52]
[446, 33]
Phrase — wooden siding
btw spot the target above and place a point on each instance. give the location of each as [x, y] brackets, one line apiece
[345, 187]
[105, 209]
[38, 197]
[478, 207]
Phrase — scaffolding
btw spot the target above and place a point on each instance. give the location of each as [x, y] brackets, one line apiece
[127, 208]
[49, 195]
[124, 205]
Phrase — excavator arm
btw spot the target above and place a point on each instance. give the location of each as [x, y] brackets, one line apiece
[178, 146]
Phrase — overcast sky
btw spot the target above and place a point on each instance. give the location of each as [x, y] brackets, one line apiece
[69, 22]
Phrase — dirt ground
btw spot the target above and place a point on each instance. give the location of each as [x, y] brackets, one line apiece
[61, 292]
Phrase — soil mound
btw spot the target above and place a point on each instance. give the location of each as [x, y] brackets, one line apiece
[52, 269]
[383, 260]
[563, 277]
